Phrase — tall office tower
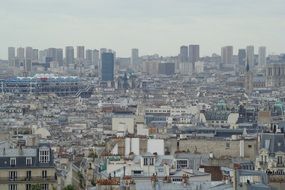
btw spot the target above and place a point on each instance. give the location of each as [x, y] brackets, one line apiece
[103, 50]
[35, 55]
[241, 56]
[194, 53]
[59, 56]
[11, 56]
[135, 56]
[21, 53]
[107, 70]
[96, 60]
[42, 56]
[29, 53]
[51, 54]
[89, 56]
[227, 55]
[250, 56]
[183, 55]
[80, 53]
[28, 59]
[69, 55]
[261, 56]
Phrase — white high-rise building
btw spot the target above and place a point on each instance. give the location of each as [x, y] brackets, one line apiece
[227, 55]
[250, 56]
[80, 53]
[35, 55]
[29, 53]
[261, 56]
[96, 59]
[21, 53]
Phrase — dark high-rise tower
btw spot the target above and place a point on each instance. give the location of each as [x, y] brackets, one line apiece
[241, 56]
[194, 53]
[107, 66]
[69, 55]
[183, 56]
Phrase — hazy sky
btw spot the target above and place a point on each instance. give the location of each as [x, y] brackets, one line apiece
[153, 26]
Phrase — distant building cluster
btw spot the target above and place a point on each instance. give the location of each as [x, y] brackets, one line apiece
[78, 118]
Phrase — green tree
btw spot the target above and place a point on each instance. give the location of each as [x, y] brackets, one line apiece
[69, 187]
[36, 187]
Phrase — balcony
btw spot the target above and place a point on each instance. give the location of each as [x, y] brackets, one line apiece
[49, 179]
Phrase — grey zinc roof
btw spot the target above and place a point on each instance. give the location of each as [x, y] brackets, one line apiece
[272, 142]
[28, 152]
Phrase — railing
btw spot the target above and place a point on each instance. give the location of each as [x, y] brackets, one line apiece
[26, 179]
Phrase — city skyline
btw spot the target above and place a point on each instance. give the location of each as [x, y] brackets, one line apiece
[133, 24]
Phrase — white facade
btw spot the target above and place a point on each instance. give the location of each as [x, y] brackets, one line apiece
[261, 57]
[155, 145]
[123, 123]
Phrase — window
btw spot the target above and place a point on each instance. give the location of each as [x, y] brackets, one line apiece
[145, 161]
[29, 161]
[44, 155]
[29, 175]
[28, 186]
[44, 186]
[279, 159]
[249, 146]
[228, 145]
[44, 174]
[151, 161]
[12, 187]
[12, 161]
[182, 164]
[12, 175]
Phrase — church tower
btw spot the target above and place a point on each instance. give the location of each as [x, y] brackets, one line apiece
[248, 82]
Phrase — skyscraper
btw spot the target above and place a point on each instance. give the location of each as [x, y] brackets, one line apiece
[227, 55]
[183, 55]
[80, 53]
[89, 56]
[69, 55]
[29, 53]
[11, 55]
[135, 56]
[194, 53]
[241, 56]
[107, 70]
[42, 56]
[51, 53]
[59, 56]
[250, 56]
[261, 56]
[96, 61]
[28, 59]
[35, 55]
[20, 53]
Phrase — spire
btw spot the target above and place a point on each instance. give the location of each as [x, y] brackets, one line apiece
[247, 67]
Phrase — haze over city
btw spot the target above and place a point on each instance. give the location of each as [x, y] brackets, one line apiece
[154, 26]
[142, 95]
